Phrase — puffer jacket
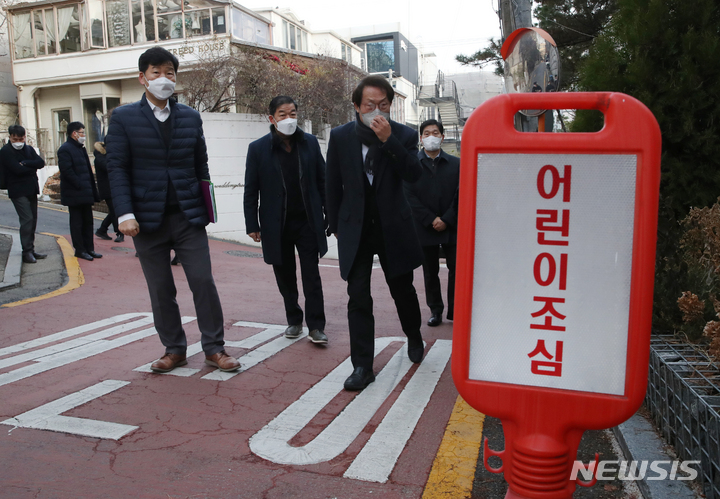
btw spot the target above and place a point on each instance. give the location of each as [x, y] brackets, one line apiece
[140, 165]
[77, 183]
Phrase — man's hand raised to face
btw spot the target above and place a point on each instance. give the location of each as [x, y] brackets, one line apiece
[381, 127]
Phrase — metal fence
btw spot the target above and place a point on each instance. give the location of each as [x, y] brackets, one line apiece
[683, 397]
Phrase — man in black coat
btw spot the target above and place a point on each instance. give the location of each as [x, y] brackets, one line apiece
[435, 213]
[78, 190]
[21, 163]
[368, 160]
[286, 170]
[156, 161]
[103, 183]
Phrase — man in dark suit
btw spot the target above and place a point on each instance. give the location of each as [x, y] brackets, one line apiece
[21, 163]
[368, 160]
[156, 160]
[286, 170]
[435, 213]
[78, 190]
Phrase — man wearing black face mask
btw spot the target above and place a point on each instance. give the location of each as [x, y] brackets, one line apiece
[21, 163]
[78, 190]
[286, 171]
[368, 159]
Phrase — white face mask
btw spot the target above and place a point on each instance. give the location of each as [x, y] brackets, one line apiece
[286, 126]
[368, 117]
[18, 145]
[432, 143]
[81, 140]
[162, 88]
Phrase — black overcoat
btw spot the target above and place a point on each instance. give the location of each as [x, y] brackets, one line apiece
[140, 165]
[77, 183]
[263, 178]
[432, 196]
[345, 194]
[21, 180]
[101, 171]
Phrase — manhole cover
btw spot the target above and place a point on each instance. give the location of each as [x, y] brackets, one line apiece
[121, 248]
[249, 254]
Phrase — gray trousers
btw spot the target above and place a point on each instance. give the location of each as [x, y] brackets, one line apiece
[26, 208]
[191, 246]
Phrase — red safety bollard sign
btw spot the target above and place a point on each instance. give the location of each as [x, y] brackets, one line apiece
[555, 270]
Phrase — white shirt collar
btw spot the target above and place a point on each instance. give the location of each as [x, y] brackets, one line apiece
[160, 114]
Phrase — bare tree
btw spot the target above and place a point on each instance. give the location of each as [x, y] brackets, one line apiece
[246, 79]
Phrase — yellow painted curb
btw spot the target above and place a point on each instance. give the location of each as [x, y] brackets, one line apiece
[453, 470]
[76, 278]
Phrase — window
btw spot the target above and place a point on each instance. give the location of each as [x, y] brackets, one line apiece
[96, 23]
[380, 56]
[118, 22]
[218, 20]
[294, 38]
[22, 35]
[143, 21]
[249, 28]
[61, 118]
[68, 19]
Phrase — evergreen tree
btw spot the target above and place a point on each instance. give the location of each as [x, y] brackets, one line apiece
[665, 53]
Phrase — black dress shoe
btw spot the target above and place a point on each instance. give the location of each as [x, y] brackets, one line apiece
[28, 257]
[359, 379]
[94, 254]
[435, 320]
[103, 235]
[84, 256]
[450, 316]
[39, 256]
[120, 238]
[416, 349]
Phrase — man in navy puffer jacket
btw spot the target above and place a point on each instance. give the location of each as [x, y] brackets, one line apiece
[156, 160]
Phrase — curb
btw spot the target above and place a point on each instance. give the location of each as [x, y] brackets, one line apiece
[639, 441]
[13, 267]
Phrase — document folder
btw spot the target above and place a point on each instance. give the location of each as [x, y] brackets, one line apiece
[208, 192]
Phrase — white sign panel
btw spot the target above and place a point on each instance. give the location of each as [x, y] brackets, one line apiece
[553, 258]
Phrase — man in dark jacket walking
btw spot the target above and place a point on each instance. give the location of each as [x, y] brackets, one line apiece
[435, 212]
[78, 191]
[368, 160]
[103, 182]
[21, 163]
[156, 160]
[286, 170]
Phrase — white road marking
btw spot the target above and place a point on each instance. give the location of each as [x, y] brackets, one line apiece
[47, 417]
[69, 345]
[81, 352]
[377, 459]
[271, 442]
[37, 342]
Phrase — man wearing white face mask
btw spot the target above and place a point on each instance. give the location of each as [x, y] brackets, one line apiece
[434, 203]
[367, 161]
[285, 173]
[156, 157]
[78, 190]
[20, 163]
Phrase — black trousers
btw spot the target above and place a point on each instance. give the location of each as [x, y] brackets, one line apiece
[26, 208]
[110, 219]
[298, 234]
[81, 228]
[361, 321]
[431, 269]
[190, 243]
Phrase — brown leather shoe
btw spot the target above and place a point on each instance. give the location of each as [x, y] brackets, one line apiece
[223, 361]
[168, 362]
